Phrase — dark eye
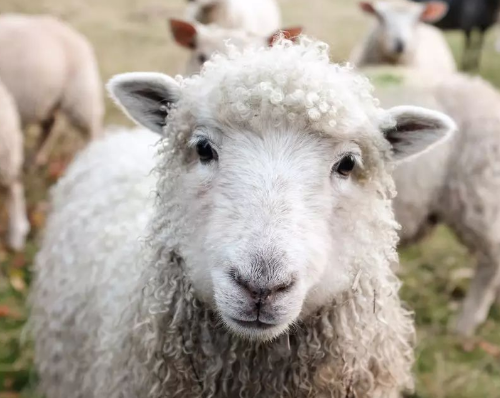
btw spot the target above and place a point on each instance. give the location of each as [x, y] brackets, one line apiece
[206, 152]
[345, 166]
[202, 58]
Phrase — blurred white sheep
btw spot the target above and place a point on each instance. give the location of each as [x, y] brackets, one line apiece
[457, 183]
[49, 68]
[11, 168]
[259, 17]
[400, 37]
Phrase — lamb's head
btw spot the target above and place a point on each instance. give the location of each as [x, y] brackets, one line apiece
[206, 40]
[397, 23]
[276, 178]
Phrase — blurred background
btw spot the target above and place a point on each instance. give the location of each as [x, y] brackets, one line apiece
[133, 35]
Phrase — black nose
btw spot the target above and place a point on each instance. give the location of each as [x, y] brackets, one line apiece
[261, 292]
[400, 46]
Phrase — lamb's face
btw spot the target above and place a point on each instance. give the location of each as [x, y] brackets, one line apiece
[398, 30]
[276, 206]
[397, 25]
[279, 193]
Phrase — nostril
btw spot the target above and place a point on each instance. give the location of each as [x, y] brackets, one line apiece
[241, 282]
[236, 277]
[284, 287]
[400, 46]
[257, 291]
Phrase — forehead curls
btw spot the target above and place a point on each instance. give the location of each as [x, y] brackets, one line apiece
[288, 83]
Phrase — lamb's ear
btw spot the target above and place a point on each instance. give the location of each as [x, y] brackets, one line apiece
[288, 33]
[434, 11]
[145, 97]
[368, 7]
[184, 33]
[416, 130]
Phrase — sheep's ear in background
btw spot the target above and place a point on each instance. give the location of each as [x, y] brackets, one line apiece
[434, 11]
[368, 7]
[145, 97]
[416, 130]
[184, 33]
[288, 33]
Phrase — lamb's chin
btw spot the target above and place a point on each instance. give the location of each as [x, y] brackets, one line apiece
[255, 331]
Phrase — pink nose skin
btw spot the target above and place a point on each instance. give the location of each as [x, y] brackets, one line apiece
[261, 294]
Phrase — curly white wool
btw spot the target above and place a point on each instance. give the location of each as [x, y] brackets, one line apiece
[313, 93]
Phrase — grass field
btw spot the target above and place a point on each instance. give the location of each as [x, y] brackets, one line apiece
[132, 35]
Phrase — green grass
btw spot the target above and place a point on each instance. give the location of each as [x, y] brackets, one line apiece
[132, 35]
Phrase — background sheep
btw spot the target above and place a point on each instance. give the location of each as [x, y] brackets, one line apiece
[468, 16]
[259, 17]
[456, 183]
[205, 40]
[401, 38]
[49, 68]
[11, 166]
[257, 249]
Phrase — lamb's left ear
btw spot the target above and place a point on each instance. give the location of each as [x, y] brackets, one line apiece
[145, 97]
[416, 130]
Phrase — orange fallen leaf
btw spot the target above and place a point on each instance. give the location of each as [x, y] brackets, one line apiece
[6, 312]
[489, 348]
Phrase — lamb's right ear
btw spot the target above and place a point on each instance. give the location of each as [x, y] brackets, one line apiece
[145, 97]
[415, 129]
[434, 11]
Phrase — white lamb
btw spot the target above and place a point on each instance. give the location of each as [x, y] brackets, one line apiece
[400, 37]
[206, 40]
[267, 266]
[259, 17]
[11, 168]
[49, 68]
[457, 183]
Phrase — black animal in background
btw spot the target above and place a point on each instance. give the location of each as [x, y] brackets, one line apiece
[470, 16]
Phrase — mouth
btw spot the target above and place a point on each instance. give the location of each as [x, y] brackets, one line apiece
[256, 324]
